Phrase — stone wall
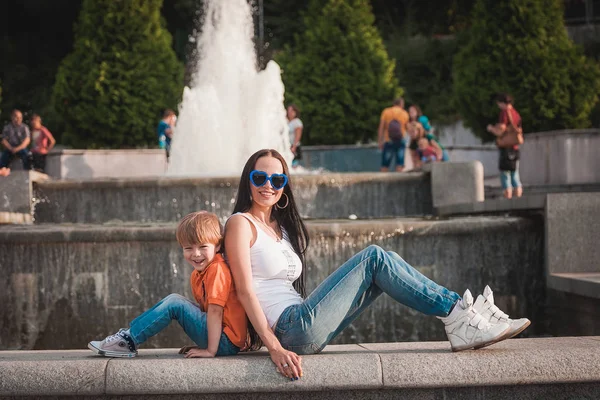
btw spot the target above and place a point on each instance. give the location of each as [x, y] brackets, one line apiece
[168, 199]
[561, 157]
[62, 286]
[88, 164]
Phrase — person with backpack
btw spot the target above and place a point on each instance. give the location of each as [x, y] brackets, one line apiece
[509, 136]
[391, 135]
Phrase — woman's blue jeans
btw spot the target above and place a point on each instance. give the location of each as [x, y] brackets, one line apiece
[189, 315]
[308, 327]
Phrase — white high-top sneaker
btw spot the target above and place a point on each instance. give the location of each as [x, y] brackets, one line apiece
[467, 329]
[119, 344]
[485, 306]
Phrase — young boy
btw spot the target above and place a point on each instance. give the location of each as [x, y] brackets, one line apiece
[426, 152]
[165, 130]
[217, 324]
[42, 142]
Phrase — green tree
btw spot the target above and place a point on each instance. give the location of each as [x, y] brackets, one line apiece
[122, 73]
[339, 73]
[521, 47]
[424, 66]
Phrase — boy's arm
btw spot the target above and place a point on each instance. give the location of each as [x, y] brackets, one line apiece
[214, 322]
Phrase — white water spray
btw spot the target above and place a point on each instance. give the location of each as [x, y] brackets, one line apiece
[232, 109]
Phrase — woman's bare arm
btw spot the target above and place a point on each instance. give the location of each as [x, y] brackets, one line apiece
[239, 238]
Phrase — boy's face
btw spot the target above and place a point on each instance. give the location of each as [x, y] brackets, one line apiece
[423, 143]
[200, 255]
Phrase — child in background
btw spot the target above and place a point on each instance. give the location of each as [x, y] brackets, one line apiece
[165, 130]
[426, 152]
[42, 142]
[217, 324]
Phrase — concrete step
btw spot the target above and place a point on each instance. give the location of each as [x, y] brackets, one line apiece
[63, 285]
[366, 195]
[540, 368]
[495, 191]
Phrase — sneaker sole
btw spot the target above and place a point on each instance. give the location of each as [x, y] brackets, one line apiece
[509, 335]
[476, 346]
[110, 353]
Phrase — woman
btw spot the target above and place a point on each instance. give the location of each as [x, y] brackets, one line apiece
[416, 114]
[423, 129]
[42, 142]
[295, 127]
[265, 242]
[509, 155]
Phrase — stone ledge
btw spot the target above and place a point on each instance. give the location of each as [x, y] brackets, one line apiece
[330, 179]
[580, 283]
[494, 206]
[119, 231]
[425, 365]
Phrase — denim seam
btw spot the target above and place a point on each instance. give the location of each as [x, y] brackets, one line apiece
[415, 291]
[431, 301]
[338, 282]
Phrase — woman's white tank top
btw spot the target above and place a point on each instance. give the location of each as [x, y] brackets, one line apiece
[275, 266]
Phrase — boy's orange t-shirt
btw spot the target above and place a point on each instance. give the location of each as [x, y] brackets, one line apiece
[214, 285]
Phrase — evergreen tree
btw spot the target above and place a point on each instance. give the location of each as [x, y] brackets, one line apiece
[121, 75]
[521, 47]
[338, 73]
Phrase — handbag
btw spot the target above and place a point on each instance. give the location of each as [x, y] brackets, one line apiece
[508, 159]
[512, 136]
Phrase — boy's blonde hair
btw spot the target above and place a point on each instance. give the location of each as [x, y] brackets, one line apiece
[199, 227]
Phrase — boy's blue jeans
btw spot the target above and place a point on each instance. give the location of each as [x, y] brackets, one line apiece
[189, 315]
[307, 328]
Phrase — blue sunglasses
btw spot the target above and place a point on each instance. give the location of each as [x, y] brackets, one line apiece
[260, 178]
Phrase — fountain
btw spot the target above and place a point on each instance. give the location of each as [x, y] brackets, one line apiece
[232, 108]
[102, 251]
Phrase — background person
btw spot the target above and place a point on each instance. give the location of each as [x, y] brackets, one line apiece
[416, 114]
[391, 145]
[509, 156]
[15, 139]
[165, 130]
[295, 127]
[42, 142]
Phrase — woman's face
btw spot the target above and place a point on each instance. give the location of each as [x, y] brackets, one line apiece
[412, 112]
[266, 195]
[291, 113]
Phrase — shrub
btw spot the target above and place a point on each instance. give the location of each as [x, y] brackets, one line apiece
[122, 73]
[339, 73]
[521, 47]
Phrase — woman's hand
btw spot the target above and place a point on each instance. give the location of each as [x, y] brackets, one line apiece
[288, 363]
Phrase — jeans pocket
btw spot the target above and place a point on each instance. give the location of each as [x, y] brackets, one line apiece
[287, 319]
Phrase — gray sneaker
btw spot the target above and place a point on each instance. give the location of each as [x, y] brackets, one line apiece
[118, 345]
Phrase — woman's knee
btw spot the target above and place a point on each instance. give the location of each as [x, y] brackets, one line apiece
[374, 249]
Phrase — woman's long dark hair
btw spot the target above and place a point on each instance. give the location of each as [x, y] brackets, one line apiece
[288, 219]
